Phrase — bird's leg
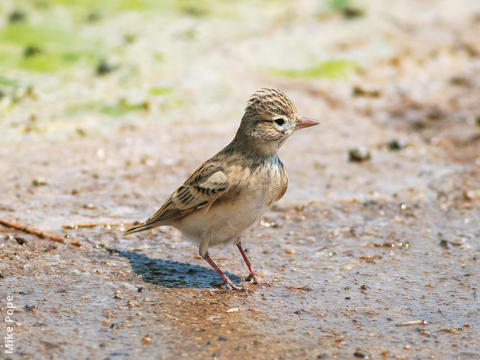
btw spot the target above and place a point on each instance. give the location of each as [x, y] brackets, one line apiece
[249, 265]
[221, 273]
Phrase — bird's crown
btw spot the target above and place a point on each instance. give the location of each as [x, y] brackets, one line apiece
[270, 101]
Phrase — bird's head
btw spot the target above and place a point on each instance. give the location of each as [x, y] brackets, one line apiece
[270, 118]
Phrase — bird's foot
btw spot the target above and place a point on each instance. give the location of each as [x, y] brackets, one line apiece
[252, 277]
[234, 286]
[225, 278]
[225, 288]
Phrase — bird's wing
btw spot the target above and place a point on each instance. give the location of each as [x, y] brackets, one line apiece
[284, 182]
[205, 186]
[283, 188]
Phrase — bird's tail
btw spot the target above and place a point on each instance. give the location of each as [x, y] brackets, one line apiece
[140, 227]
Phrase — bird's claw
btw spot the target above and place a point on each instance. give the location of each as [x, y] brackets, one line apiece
[236, 287]
[231, 287]
[252, 278]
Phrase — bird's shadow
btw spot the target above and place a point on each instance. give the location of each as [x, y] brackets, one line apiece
[172, 274]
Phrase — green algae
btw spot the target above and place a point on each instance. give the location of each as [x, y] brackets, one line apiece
[55, 48]
[116, 109]
[159, 90]
[332, 69]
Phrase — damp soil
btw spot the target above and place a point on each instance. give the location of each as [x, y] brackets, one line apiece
[371, 256]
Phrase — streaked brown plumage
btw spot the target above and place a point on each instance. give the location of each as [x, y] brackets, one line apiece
[230, 191]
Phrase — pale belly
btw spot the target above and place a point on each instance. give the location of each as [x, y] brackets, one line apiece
[245, 202]
[224, 222]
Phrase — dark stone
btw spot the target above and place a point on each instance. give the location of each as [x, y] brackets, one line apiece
[104, 68]
[31, 50]
[20, 240]
[350, 12]
[17, 16]
[395, 145]
[359, 155]
[359, 355]
[94, 16]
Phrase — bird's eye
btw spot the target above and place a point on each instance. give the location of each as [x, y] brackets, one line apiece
[279, 121]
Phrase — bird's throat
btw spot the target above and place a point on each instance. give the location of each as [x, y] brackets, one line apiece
[252, 147]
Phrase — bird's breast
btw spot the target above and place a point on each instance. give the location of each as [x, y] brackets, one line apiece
[252, 190]
[259, 184]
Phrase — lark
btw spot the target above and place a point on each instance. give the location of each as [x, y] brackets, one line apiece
[233, 189]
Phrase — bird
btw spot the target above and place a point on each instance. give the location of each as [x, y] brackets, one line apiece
[231, 191]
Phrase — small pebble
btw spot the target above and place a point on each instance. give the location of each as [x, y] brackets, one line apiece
[81, 132]
[359, 154]
[20, 240]
[395, 145]
[360, 355]
[359, 91]
[30, 307]
[104, 68]
[17, 16]
[460, 81]
[31, 50]
[444, 243]
[129, 38]
[350, 12]
[94, 16]
[146, 340]
[290, 251]
[40, 181]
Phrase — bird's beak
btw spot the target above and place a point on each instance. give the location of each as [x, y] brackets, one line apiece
[303, 122]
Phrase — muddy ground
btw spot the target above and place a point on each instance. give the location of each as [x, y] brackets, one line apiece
[375, 259]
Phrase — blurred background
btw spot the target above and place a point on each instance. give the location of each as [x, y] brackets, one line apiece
[78, 67]
[72, 67]
[107, 106]
[376, 74]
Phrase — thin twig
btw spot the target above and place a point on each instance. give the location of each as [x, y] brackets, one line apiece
[414, 322]
[90, 225]
[39, 233]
